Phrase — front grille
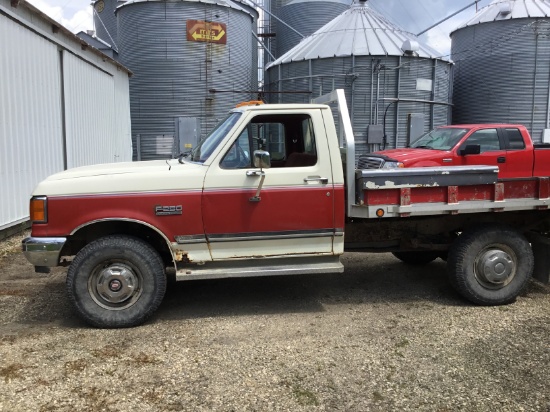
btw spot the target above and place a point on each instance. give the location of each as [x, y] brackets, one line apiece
[369, 162]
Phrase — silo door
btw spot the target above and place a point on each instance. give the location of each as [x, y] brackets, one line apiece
[290, 211]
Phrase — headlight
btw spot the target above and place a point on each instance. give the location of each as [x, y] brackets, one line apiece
[392, 165]
[39, 209]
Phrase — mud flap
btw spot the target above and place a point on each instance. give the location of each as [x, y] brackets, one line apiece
[541, 252]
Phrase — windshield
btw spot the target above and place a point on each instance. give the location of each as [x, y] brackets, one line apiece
[206, 146]
[443, 138]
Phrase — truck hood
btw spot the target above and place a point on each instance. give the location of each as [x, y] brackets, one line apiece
[409, 155]
[156, 175]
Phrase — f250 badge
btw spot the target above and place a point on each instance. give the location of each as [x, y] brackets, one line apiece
[168, 210]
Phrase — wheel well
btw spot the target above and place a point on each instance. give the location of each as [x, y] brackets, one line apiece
[97, 230]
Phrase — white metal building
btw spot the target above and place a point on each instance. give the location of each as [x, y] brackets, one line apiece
[62, 104]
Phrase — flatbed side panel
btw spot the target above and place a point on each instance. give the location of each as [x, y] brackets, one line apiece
[379, 199]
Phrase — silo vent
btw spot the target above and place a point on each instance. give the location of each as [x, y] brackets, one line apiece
[410, 46]
[505, 9]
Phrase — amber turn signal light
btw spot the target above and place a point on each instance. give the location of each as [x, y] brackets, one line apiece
[38, 210]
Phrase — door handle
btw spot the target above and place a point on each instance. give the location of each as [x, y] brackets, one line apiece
[261, 174]
[322, 180]
[501, 159]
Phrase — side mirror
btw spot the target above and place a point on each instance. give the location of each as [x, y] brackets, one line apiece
[470, 149]
[262, 159]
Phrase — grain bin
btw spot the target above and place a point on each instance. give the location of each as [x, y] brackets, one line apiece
[306, 16]
[389, 76]
[191, 59]
[105, 22]
[502, 71]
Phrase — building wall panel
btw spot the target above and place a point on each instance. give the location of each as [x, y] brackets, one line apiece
[89, 111]
[30, 117]
[55, 94]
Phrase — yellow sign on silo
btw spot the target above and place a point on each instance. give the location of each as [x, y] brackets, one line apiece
[207, 31]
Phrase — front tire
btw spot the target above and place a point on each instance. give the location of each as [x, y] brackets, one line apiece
[116, 282]
[490, 265]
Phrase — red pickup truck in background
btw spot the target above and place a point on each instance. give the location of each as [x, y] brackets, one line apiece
[507, 146]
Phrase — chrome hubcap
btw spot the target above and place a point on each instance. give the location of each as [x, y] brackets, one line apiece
[495, 268]
[115, 286]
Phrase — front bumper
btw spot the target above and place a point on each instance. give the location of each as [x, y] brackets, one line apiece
[43, 251]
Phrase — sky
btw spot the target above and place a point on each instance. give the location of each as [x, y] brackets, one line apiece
[412, 15]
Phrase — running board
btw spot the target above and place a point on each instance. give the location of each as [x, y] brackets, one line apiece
[261, 267]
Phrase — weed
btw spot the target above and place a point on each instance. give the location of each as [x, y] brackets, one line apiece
[404, 342]
[377, 396]
[152, 395]
[75, 366]
[13, 371]
[304, 397]
[109, 351]
[145, 359]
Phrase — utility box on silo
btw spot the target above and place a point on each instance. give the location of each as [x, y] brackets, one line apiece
[415, 127]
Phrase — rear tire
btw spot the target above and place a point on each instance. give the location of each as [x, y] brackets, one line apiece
[490, 265]
[422, 257]
[116, 282]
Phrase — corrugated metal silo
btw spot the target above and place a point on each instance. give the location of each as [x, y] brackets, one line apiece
[190, 59]
[306, 16]
[502, 70]
[105, 21]
[388, 76]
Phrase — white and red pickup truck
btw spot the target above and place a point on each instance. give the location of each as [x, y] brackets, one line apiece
[267, 193]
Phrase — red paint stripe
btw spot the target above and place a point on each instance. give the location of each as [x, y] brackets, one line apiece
[67, 213]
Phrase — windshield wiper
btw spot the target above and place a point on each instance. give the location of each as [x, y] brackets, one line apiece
[183, 156]
[423, 147]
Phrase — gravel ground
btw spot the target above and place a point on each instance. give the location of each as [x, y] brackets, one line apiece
[383, 336]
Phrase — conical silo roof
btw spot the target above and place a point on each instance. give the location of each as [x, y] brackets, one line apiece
[500, 10]
[359, 31]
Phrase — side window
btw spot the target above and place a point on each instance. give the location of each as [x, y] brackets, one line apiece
[487, 139]
[514, 139]
[289, 138]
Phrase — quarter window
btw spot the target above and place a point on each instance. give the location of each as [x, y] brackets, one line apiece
[515, 139]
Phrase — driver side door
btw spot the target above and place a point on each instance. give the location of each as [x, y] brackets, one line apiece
[293, 212]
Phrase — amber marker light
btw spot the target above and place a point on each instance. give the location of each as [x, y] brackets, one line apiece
[38, 210]
[380, 212]
[250, 103]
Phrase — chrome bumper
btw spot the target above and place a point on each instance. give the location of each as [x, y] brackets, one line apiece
[43, 251]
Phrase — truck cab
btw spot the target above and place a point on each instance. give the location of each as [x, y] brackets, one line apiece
[295, 195]
[507, 146]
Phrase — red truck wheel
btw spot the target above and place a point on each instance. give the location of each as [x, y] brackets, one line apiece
[490, 265]
[116, 282]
